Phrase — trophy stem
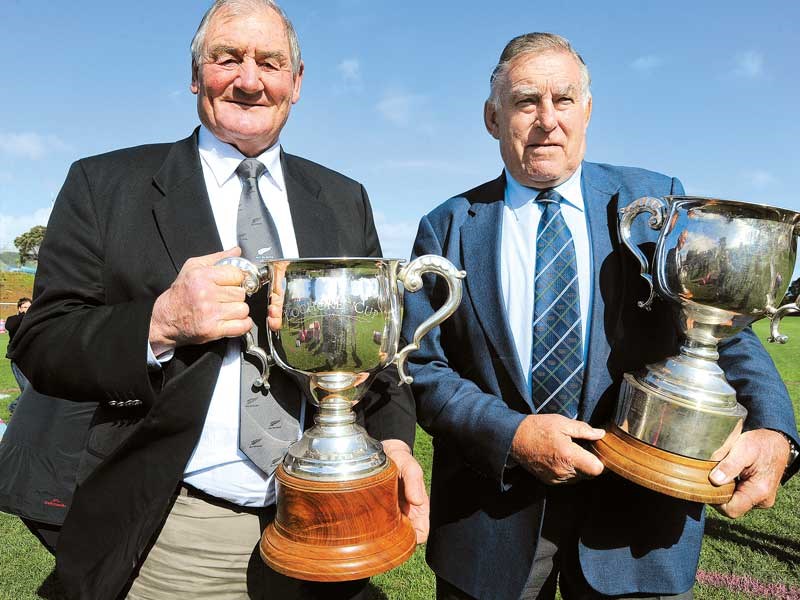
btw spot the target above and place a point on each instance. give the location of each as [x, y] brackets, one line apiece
[335, 414]
[336, 448]
[701, 350]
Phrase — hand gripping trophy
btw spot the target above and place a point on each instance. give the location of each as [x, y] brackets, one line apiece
[723, 264]
[338, 516]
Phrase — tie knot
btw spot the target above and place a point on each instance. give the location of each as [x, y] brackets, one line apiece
[250, 168]
[549, 196]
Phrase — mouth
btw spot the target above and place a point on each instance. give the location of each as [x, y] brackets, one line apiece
[245, 104]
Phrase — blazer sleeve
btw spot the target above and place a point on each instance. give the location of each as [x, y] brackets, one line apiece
[73, 343]
[759, 387]
[480, 426]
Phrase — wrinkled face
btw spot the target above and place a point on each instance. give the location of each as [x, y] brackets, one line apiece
[244, 84]
[23, 308]
[541, 118]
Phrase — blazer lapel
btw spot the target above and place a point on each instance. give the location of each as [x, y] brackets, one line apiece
[183, 214]
[480, 249]
[311, 216]
[598, 196]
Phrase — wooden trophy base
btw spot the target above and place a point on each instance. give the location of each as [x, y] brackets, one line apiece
[337, 530]
[655, 469]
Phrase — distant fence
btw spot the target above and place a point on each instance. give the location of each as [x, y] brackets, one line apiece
[6, 309]
[28, 270]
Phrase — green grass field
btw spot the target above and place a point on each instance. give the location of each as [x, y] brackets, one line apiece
[757, 556]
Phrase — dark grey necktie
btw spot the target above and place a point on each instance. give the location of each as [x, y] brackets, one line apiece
[268, 420]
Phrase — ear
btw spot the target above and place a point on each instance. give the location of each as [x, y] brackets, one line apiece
[490, 119]
[195, 86]
[298, 82]
[588, 111]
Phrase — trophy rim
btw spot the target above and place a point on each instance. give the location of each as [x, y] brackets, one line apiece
[333, 259]
[786, 215]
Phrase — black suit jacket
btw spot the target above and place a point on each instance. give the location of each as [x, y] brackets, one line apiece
[121, 229]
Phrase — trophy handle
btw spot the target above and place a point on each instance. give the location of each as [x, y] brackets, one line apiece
[411, 277]
[657, 208]
[775, 316]
[254, 280]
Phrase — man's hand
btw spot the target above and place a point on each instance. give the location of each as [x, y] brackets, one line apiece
[276, 293]
[758, 458]
[414, 501]
[543, 444]
[205, 303]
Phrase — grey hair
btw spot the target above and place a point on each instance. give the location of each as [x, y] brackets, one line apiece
[535, 43]
[243, 7]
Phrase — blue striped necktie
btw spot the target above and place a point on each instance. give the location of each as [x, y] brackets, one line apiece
[557, 361]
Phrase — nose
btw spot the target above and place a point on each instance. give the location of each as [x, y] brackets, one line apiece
[249, 80]
[546, 115]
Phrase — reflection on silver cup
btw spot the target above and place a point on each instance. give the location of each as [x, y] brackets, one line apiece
[724, 264]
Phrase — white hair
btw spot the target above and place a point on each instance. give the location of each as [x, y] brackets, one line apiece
[241, 7]
[534, 43]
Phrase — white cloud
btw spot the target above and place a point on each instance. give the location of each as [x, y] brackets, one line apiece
[760, 178]
[350, 70]
[647, 63]
[401, 108]
[30, 145]
[749, 64]
[11, 227]
[397, 237]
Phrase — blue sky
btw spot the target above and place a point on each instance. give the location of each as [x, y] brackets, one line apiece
[393, 93]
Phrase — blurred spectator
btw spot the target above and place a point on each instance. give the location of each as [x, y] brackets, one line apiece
[12, 325]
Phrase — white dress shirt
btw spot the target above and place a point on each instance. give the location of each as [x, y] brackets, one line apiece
[521, 216]
[217, 466]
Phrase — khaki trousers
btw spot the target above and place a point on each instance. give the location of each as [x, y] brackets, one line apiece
[208, 550]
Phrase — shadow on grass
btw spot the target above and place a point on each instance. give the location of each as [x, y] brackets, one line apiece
[375, 593]
[784, 549]
[51, 588]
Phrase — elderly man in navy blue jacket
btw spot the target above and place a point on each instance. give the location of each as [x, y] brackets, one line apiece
[504, 525]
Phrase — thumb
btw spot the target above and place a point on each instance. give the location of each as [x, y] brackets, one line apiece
[732, 465]
[212, 259]
[413, 482]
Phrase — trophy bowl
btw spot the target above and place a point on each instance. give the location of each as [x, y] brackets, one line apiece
[722, 264]
[338, 515]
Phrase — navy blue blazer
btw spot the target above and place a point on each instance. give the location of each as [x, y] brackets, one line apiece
[471, 395]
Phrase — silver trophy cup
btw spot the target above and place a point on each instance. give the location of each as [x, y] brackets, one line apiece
[340, 327]
[723, 265]
[338, 515]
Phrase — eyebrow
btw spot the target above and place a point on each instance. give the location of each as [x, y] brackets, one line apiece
[220, 50]
[217, 51]
[524, 91]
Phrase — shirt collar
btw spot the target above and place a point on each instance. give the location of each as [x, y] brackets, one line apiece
[223, 159]
[518, 195]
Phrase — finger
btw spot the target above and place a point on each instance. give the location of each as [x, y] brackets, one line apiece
[230, 294]
[226, 275]
[583, 431]
[586, 463]
[234, 327]
[740, 503]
